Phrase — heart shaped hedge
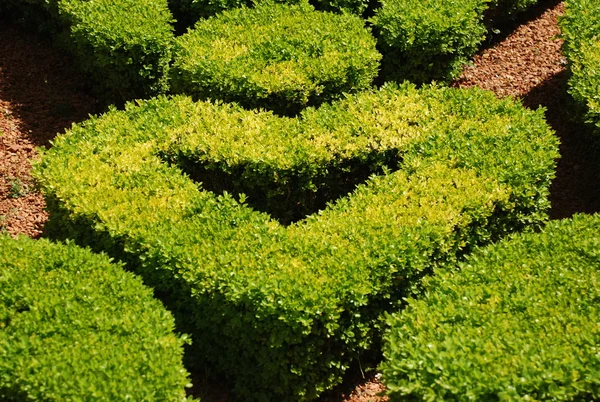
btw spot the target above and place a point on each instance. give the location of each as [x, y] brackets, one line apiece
[285, 310]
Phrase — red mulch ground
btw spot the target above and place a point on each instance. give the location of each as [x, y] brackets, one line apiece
[41, 95]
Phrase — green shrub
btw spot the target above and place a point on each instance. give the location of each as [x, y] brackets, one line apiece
[424, 40]
[276, 56]
[124, 45]
[517, 322]
[74, 327]
[285, 310]
[512, 7]
[581, 31]
[189, 12]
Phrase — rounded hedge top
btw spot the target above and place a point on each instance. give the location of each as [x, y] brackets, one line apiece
[520, 321]
[457, 168]
[280, 57]
[74, 327]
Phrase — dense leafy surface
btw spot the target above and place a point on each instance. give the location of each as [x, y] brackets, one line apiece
[124, 45]
[518, 321]
[285, 310]
[581, 31]
[276, 56]
[74, 327]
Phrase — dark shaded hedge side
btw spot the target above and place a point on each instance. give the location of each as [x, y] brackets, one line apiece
[517, 322]
[425, 40]
[75, 327]
[188, 12]
[275, 56]
[581, 32]
[284, 310]
[124, 45]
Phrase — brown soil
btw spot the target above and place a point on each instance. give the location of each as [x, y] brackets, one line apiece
[41, 95]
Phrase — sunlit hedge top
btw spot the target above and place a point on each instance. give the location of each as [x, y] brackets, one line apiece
[280, 57]
[74, 327]
[284, 310]
[520, 321]
[581, 31]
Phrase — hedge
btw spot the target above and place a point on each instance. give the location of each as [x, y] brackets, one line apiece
[281, 57]
[581, 32]
[517, 322]
[284, 310]
[425, 40]
[512, 7]
[123, 45]
[75, 327]
[188, 12]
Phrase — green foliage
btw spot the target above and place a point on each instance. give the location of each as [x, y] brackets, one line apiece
[281, 57]
[16, 188]
[189, 12]
[517, 322]
[424, 40]
[511, 7]
[581, 32]
[285, 310]
[74, 327]
[124, 45]
[431, 39]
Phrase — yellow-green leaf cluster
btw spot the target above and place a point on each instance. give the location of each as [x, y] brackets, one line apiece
[275, 56]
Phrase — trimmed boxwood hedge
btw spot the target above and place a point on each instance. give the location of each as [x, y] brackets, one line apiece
[285, 310]
[425, 40]
[276, 56]
[124, 45]
[75, 327]
[581, 31]
[518, 321]
[188, 12]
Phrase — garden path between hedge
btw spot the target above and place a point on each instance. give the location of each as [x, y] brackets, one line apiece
[41, 95]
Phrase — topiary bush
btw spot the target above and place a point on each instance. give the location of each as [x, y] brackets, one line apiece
[581, 32]
[285, 310]
[188, 12]
[123, 45]
[74, 327]
[275, 56]
[517, 321]
[432, 39]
